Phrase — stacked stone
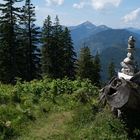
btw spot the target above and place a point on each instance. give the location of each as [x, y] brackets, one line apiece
[128, 64]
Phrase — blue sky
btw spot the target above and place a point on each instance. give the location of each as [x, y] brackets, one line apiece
[113, 13]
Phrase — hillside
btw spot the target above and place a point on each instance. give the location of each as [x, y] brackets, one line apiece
[135, 30]
[81, 31]
[91, 34]
[117, 55]
[85, 30]
[107, 39]
[110, 43]
[56, 109]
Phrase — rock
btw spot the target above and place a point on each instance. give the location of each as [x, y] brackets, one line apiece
[128, 64]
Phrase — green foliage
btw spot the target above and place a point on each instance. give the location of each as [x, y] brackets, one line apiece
[89, 66]
[97, 70]
[85, 64]
[111, 70]
[90, 124]
[47, 49]
[69, 56]
[8, 40]
[58, 56]
[26, 103]
[19, 39]
[107, 127]
[28, 53]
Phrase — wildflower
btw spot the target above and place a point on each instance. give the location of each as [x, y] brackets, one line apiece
[8, 124]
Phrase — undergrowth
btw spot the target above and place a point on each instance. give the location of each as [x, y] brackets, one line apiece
[28, 106]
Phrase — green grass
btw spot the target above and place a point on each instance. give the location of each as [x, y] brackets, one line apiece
[56, 110]
[77, 124]
[53, 127]
[25, 103]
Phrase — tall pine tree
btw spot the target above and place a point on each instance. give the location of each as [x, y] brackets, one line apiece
[8, 40]
[69, 55]
[58, 56]
[47, 48]
[111, 70]
[30, 34]
[97, 69]
[53, 49]
[58, 50]
[85, 64]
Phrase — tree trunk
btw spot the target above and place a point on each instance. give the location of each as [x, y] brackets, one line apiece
[122, 94]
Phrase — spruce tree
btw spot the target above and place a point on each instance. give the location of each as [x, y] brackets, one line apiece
[8, 40]
[111, 70]
[30, 34]
[97, 69]
[58, 56]
[85, 64]
[58, 50]
[52, 49]
[69, 55]
[47, 48]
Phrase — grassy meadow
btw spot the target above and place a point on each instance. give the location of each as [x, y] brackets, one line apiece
[56, 110]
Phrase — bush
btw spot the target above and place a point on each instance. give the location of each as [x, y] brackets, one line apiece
[22, 104]
[107, 127]
[89, 124]
[25, 102]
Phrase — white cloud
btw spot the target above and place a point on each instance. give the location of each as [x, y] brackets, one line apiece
[37, 8]
[1, 1]
[101, 4]
[79, 6]
[132, 16]
[97, 4]
[54, 2]
[42, 12]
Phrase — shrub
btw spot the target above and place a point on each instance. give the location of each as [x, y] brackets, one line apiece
[22, 104]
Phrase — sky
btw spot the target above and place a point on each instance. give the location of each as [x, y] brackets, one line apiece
[113, 13]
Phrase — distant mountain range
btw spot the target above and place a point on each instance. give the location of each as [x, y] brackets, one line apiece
[110, 43]
[84, 31]
[135, 30]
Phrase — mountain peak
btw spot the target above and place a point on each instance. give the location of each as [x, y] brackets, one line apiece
[87, 24]
[103, 27]
[134, 30]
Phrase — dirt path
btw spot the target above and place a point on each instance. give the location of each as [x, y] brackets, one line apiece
[53, 128]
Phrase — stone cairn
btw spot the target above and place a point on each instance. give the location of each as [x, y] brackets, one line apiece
[128, 64]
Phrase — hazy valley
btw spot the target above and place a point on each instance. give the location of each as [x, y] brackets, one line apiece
[110, 43]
